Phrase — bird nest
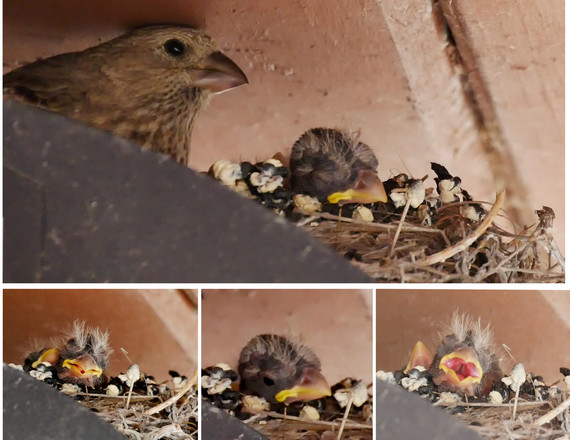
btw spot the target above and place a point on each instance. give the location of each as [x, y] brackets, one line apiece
[345, 414]
[524, 410]
[419, 235]
[453, 249]
[281, 426]
[151, 411]
[547, 420]
[166, 416]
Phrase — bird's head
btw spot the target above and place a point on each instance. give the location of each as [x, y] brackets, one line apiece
[368, 188]
[281, 370]
[464, 362]
[85, 356]
[173, 58]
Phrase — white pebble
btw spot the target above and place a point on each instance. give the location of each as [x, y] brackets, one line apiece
[363, 213]
[449, 398]
[308, 413]
[307, 203]
[495, 398]
[254, 404]
[70, 389]
[112, 390]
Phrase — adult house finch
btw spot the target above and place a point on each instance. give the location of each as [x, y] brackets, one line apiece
[81, 360]
[148, 85]
[281, 370]
[464, 361]
[335, 166]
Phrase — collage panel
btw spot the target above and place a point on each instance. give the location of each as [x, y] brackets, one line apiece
[419, 141]
[287, 364]
[98, 364]
[472, 364]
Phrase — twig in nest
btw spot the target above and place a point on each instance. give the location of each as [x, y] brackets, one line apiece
[372, 226]
[399, 228]
[174, 398]
[467, 241]
[345, 417]
[348, 425]
[554, 413]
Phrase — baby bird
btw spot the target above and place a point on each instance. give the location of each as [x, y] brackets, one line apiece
[335, 166]
[83, 358]
[148, 85]
[464, 362]
[281, 370]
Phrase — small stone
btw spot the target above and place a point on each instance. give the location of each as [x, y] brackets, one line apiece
[255, 404]
[309, 413]
[364, 214]
[112, 390]
[70, 389]
[495, 398]
[449, 398]
[307, 203]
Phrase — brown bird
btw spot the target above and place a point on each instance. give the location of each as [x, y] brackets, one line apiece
[335, 166]
[281, 370]
[83, 358]
[148, 85]
[464, 362]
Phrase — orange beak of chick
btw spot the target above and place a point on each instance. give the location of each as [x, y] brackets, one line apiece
[368, 189]
[420, 357]
[82, 369]
[312, 385]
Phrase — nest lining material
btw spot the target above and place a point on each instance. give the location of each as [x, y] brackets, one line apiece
[454, 249]
[173, 417]
[346, 414]
[285, 427]
[531, 414]
[419, 235]
[548, 420]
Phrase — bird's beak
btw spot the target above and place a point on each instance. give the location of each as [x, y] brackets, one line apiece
[218, 73]
[312, 386]
[368, 189]
[51, 355]
[461, 368]
[84, 368]
[420, 357]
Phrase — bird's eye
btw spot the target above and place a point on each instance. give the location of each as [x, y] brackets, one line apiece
[175, 48]
[267, 381]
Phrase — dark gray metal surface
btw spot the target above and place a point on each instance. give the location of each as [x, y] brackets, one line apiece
[83, 206]
[219, 425]
[404, 415]
[34, 410]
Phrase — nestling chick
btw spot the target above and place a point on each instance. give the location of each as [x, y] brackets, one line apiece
[148, 85]
[281, 370]
[335, 166]
[83, 358]
[464, 362]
